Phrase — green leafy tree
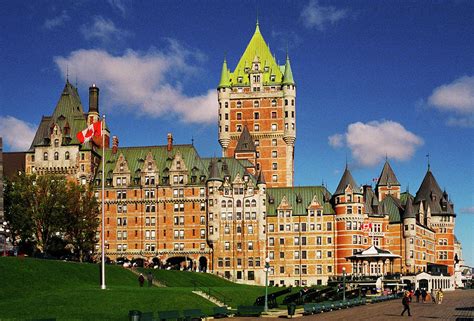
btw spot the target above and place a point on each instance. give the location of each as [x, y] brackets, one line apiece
[81, 219]
[36, 208]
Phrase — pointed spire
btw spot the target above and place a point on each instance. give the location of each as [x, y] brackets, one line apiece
[224, 82]
[260, 178]
[346, 180]
[245, 143]
[428, 186]
[214, 174]
[409, 211]
[288, 75]
[387, 177]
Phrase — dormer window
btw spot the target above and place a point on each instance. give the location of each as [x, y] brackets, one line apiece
[178, 165]
[239, 79]
[45, 156]
[246, 69]
[272, 78]
[267, 69]
[66, 156]
[255, 67]
[56, 156]
[121, 167]
[56, 142]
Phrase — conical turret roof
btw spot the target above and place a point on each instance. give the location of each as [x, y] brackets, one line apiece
[214, 174]
[288, 75]
[387, 177]
[260, 178]
[225, 81]
[409, 211]
[346, 180]
[428, 187]
[245, 143]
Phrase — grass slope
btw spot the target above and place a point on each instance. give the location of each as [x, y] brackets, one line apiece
[70, 291]
[239, 294]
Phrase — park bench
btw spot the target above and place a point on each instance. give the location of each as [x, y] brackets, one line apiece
[169, 315]
[193, 314]
[249, 310]
[222, 312]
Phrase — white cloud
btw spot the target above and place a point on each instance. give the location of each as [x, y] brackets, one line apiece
[457, 96]
[103, 30]
[467, 210]
[145, 83]
[336, 140]
[56, 21]
[318, 16]
[371, 142]
[16, 133]
[118, 5]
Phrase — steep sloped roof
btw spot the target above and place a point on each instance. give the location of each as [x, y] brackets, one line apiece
[288, 74]
[245, 143]
[299, 198]
[230, 166]
[257, 47]
[409, 211]
[214, 172]
[428, 185]
[387, 177]
[392, 207]
[346, 180]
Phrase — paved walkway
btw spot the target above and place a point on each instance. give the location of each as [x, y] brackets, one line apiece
[457, 305]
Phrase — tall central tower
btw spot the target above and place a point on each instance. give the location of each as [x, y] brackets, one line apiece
[260, 95]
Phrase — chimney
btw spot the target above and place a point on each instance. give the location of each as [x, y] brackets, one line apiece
[115, 143]
[93, 99]
[170, 142]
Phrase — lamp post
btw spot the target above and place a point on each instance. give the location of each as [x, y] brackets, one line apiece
[343, 283]
[266, 269]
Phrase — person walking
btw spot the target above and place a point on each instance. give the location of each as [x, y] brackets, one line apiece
[433, 296]
[406, 303]
[417, 295]
[439, 296]
[149, 278]
[141, 280]
[423, 295]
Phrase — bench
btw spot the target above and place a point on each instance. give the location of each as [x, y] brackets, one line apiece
[193, 314]
[169, 315]
[222, 312]
[249, 310]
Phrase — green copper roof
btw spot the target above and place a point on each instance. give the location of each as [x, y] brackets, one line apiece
[229, 166]
[299, 198]
[288, 75]
[136, 157]
[68, 113]
[257, 47]
[392, 207]
[224, 76]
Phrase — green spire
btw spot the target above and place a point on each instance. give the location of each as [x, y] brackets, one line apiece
[225, 82]
[288, 75]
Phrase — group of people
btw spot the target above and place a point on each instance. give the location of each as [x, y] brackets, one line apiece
[436, 298]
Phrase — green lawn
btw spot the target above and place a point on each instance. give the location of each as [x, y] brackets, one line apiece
[32, 288]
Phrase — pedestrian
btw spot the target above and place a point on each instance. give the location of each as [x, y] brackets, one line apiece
[149, 278]
[141, 280]
[433, 296]
[417, 295]
[423, 295]
[439, 296]
[406, 303]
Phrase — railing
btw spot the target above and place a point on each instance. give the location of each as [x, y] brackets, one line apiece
[211, 292]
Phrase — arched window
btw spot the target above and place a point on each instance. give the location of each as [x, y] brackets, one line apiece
[66, 155]
[292, 102]
[256, 103]
[56, 142]
[247, 203]
[56, 156]
[223, 203]
[229, 203]
[238, 203]
[254, 203]
[45, 156]
[274, 102]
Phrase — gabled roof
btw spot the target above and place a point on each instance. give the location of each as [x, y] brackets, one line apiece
[373, 252]
[298, 198]
[229, 166]
[392, 207]
[245, 143]
[387, 177]
[346, 180]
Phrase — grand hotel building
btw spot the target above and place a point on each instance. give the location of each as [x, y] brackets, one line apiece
[227, 214]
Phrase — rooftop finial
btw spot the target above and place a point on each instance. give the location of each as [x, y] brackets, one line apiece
[192, 140]
[428, 157]
[67, 73]
[346, 161]
[257, 17]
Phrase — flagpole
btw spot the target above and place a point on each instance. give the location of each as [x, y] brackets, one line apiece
[102, 286]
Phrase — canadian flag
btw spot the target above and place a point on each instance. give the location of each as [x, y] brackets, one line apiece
[366, 226]
[94, 129]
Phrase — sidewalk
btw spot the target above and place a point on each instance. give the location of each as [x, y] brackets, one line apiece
[457, 305]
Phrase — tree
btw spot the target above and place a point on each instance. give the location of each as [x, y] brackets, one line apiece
[81, 219]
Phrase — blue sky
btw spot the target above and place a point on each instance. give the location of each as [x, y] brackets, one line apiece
[374, 78]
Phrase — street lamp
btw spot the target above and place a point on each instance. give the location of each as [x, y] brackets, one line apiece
[266, 269]
[343, 283]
